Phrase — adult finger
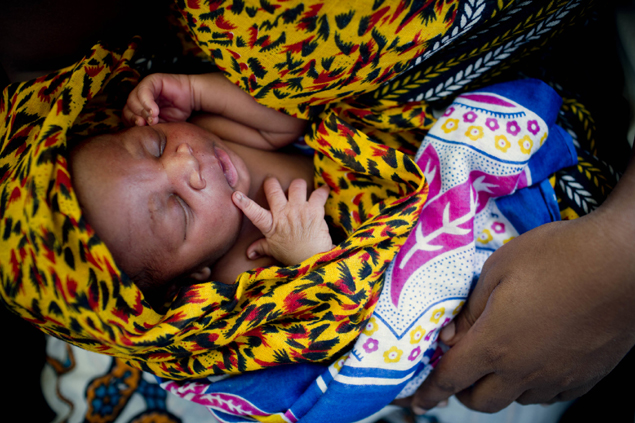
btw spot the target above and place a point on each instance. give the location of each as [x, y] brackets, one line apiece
[471, 311]
[297, 191]
[467, 361]
[260, 217]
[463, 365]
[319, 196]
[258, 248]
[572, 394]
[550, 396]
[274, 193]
[489, 395]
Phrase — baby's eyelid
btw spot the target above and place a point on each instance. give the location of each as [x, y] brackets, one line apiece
[186, 215]
[162, 143]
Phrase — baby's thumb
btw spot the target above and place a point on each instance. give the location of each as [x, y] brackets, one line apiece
[259, 248]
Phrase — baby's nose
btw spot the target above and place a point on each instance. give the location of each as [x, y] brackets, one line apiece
[190, 166]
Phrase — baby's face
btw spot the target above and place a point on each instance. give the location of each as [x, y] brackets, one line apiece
[160, 198]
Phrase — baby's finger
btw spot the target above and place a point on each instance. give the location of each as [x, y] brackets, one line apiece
[260, 217]
[135, 105]
[319, 196]
[275, 196]
[258, 249]
[297, 191]
[130, 118]
[147, 92]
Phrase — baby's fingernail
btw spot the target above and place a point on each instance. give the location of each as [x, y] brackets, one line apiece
[443, 404]
[252, 255]
[418, 410]
[150, 120]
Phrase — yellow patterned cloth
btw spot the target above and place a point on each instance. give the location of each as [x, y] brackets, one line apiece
[295, 56]
[58, 275]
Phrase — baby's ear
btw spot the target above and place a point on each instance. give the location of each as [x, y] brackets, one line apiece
[201, 274]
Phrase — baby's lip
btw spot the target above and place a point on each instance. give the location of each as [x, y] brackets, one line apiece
[227, 166]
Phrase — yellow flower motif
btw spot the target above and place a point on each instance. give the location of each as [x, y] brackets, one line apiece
[371, 327]
[340, 363]
[508, 239]
[458, 308]
[474, 132]
[525, 144]
[437, 315]
[485, 236]
[450, 125]
[544, 137]
[393, 355]
[416, 335]
[501, 143]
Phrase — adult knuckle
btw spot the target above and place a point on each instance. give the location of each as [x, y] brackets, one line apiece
[526, 401]
[493, 355]
[489, 406]
[568, 381]
[444, 385]
[484, 402]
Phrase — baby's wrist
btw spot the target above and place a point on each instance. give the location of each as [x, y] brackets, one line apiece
[300, 255]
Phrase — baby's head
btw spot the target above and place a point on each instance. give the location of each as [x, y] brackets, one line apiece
[159, 197]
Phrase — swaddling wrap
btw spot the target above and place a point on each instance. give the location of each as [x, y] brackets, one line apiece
[290, 55]
[58, 275]
[487, 161]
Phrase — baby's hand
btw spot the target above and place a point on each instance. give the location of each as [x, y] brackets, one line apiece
[159, 98]
[294, 229]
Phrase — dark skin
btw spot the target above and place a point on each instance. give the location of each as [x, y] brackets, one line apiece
[551, 315]
[576, 312]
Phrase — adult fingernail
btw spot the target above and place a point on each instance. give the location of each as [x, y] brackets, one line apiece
[239, 196]
[447, 333]
[253, 255]
[418, 410]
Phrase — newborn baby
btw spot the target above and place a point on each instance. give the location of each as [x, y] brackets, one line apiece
[167, 196]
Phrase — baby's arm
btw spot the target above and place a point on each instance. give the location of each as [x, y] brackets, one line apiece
[294, 229]
[235, 116]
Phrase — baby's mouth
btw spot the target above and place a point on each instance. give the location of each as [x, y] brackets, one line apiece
[226, 166]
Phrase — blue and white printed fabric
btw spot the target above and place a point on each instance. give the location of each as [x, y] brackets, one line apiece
[487, 161]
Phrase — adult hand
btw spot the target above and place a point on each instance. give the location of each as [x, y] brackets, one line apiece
[553, 312]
